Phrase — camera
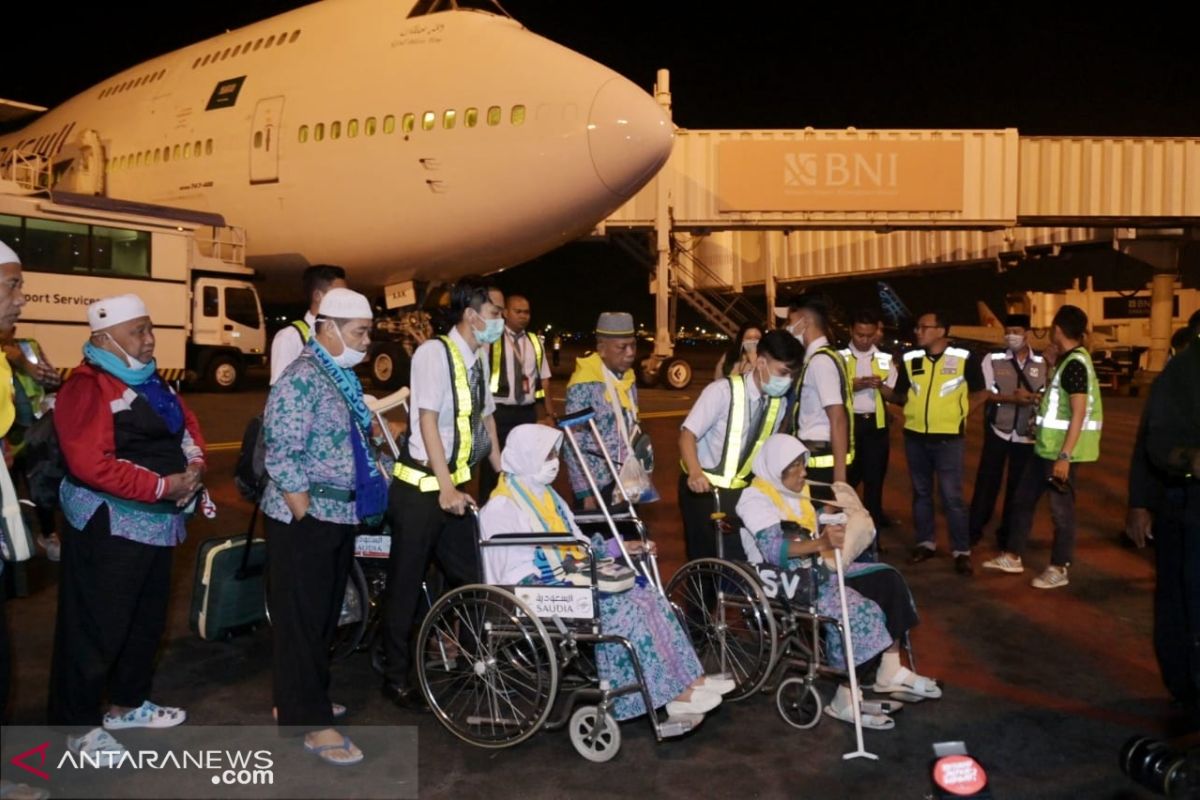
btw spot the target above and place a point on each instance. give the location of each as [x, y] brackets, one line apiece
[1157, 766]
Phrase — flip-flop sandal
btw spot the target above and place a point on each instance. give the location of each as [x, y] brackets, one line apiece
[910, 687]
[322, 752]
[874, 722]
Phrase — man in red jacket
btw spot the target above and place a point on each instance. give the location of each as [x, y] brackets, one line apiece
[135, 462]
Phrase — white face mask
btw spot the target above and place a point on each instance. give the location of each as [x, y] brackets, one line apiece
[130, 360]
[349, 357]
[547, 472]
[750, 346]
[1015, 341]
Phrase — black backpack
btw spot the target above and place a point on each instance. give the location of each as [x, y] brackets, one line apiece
[250, 473]
[46, 465]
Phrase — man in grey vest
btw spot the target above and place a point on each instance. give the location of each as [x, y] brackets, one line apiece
[1015, 379]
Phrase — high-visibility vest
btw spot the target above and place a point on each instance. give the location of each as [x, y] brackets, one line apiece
[729, 473]
[937, 395]
[302, 328]
[847, 382]
[500, 375]
[458, 460]
[1009, 417]
[881, 367]
[1054, 414]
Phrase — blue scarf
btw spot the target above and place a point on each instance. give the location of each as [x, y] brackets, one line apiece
[145, 381]
[370, 485]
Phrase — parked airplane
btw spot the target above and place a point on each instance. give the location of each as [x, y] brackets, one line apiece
[420, 140]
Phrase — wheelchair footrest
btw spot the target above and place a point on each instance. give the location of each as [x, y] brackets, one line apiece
[679, 724]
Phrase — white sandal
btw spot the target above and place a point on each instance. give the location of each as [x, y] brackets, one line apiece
[875, 722]
[907, 684]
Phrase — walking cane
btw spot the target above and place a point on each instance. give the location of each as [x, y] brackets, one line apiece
[855, 703]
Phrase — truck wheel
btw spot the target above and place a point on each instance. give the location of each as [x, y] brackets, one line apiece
[223, 373]
[390, 367]
[678, 373]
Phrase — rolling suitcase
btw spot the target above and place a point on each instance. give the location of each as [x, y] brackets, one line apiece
[229, 593]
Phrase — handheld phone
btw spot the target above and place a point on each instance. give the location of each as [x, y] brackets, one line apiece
[29, 353]
[1059, 485]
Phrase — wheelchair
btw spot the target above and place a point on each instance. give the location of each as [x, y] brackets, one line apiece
[498, 664]
[760, 625]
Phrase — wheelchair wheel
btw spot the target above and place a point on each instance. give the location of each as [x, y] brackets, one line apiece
[799, 703]
[597, 738]
[728, 619]
[487, 666]
[352, 621]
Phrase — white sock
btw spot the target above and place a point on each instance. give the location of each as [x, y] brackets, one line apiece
[889, 665]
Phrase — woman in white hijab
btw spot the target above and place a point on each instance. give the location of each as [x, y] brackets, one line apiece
[780, 527]
[524, 502]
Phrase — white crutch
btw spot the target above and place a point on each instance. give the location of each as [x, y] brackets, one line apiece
[855, 703]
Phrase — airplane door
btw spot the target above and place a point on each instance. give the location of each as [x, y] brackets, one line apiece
[264, 141]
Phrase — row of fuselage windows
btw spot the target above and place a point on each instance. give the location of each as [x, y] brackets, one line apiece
[161, 155]
[133, 83]
[262, 43]
[430, 120]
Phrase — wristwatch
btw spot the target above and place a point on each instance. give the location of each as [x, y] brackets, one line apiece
[1064, 456]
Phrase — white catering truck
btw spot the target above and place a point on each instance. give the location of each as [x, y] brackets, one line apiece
[188, 267]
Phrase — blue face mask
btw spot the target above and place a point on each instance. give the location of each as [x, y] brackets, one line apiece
[777, 386]
[492, 332]
[120, 367]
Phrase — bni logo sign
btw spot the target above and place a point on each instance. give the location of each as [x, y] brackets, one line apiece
[832, 170]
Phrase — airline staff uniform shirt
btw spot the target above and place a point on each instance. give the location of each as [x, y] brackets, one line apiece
[709, 419]
[822, 387]
[864, 399]
[519, 343]
[287, 346]
[433, 390]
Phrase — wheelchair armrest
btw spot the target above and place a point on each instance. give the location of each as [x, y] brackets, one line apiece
[576, 418]
[531, 540]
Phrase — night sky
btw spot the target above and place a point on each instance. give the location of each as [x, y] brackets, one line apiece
[750, 65]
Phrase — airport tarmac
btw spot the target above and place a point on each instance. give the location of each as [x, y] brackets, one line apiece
[1044, 687]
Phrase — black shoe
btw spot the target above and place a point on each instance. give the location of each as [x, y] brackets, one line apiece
[407, 698]
[962, 564]
[920, 554]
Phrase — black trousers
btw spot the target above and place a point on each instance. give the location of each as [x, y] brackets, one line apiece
[872, 448]
[112, 611]
[1034, 483]
[506, 417]
[421, 531]
[699, 535]
[1177, 599]
[996, 453]
[308, 563]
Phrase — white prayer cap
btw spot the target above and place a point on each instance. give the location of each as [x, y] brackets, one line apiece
[345, 304]
[115, 310]
[8, 255]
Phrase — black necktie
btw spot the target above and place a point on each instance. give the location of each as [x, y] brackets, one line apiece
[756, 421]
[518, 369]
[481, 445]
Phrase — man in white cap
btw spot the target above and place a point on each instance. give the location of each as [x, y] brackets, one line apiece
[135, 461]
[324, 482]
[11, 300]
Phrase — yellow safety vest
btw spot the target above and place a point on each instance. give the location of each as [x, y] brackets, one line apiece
[499, 382]
[846, 379]
[938, 394]
[302, 328]
[881, 367]
[459, 459]
[731, 474]
[1054, 415]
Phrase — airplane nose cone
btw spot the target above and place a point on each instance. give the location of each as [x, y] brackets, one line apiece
[629, 136]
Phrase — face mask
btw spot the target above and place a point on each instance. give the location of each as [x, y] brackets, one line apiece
[776, 385]
[349, 357]
[797, 329]
[492, 331]
[130, 360]
[1015, 341]
[750, 347]
[547, 472]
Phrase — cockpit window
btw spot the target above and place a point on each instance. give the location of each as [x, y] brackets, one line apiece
[424, 8]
